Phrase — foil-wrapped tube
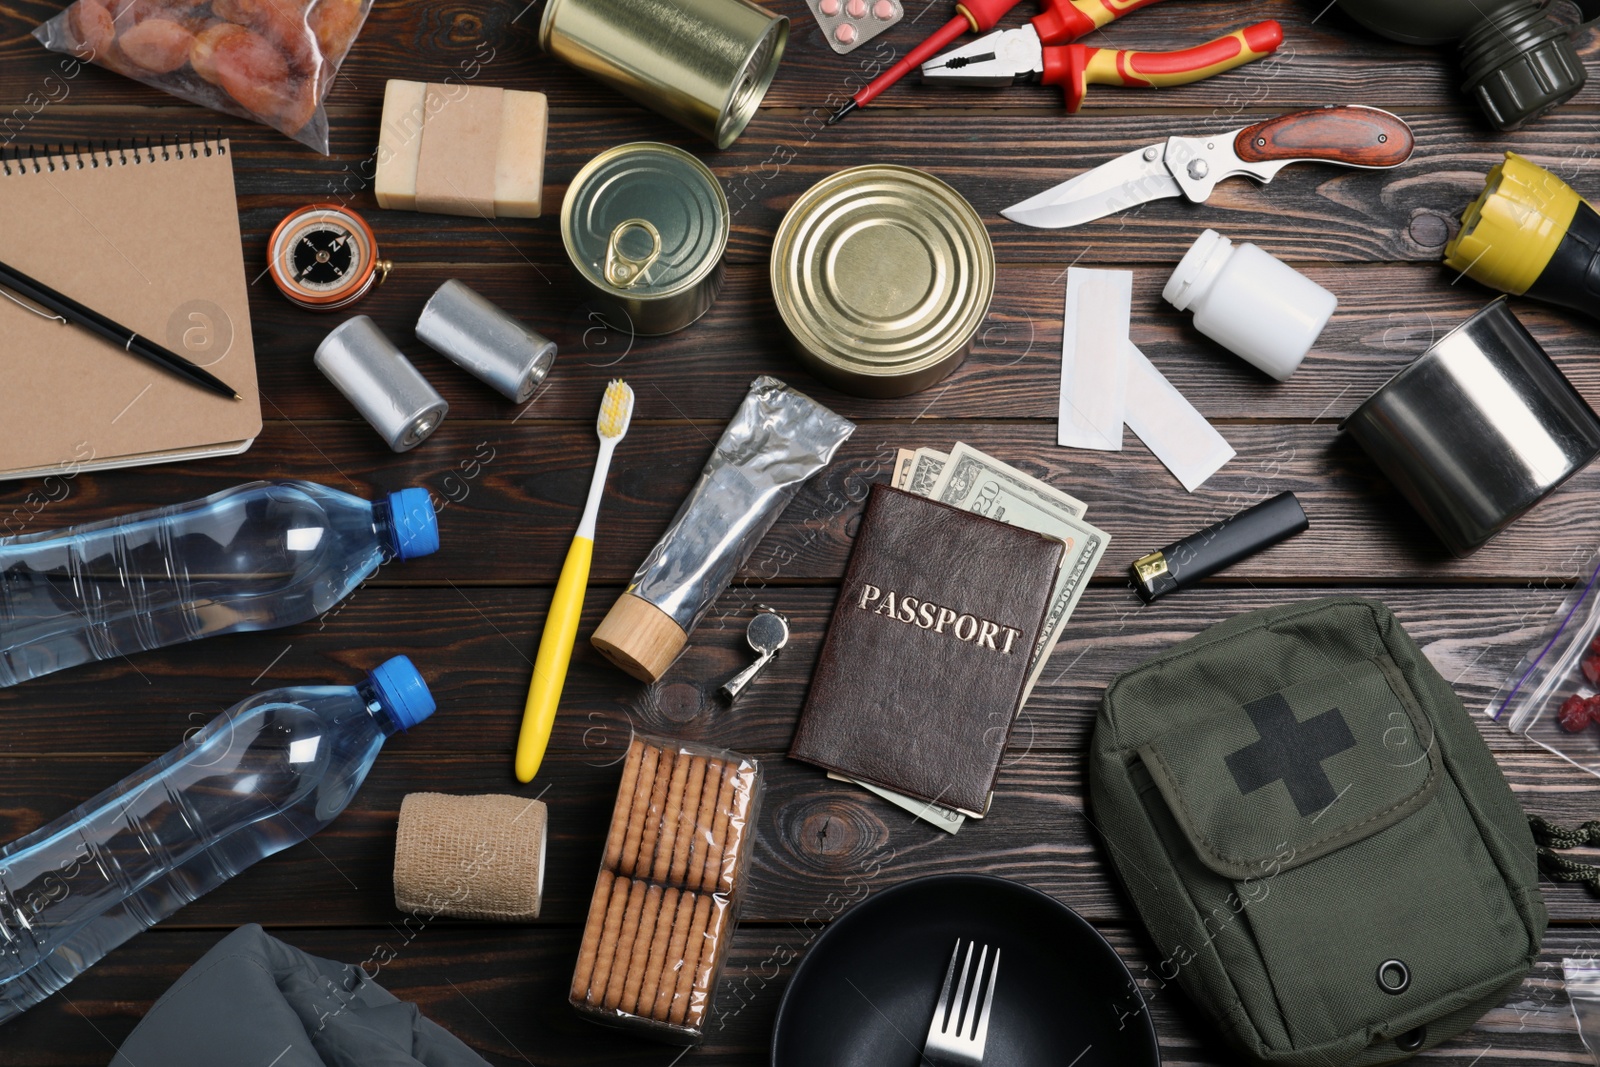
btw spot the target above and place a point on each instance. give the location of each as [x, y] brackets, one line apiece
[777, 440]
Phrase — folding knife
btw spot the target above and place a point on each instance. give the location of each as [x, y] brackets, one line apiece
[1349, 135]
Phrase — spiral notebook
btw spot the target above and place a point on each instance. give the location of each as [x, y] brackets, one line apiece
[148, 236]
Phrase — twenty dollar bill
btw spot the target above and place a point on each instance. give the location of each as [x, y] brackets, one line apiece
[986, 486]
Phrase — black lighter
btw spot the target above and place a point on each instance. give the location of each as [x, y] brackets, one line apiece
[1220, 545]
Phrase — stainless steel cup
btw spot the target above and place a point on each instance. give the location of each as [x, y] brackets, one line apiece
[1479, 429]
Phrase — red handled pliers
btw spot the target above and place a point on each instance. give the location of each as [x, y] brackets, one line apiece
[1041, 52]
[974, 15]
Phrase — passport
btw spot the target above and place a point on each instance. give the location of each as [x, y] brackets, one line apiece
[925, 662]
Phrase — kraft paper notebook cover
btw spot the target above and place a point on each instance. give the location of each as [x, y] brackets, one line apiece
[925, 661]
[150, 238]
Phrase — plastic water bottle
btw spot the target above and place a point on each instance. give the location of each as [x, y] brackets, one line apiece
[264, 775]
[253, 557]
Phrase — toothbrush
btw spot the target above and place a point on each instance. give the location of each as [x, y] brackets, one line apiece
[561, 625]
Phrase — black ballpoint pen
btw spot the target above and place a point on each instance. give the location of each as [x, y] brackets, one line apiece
[70, 311]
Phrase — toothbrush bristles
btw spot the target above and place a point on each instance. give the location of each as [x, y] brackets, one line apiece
[616, 410]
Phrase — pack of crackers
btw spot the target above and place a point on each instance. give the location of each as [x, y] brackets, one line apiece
[664, 905]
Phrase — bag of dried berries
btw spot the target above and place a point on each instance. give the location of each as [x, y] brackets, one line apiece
[271, 61]
[1552, 697]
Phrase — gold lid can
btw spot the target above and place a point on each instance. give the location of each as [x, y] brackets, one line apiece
[883, 276]
[645, 226]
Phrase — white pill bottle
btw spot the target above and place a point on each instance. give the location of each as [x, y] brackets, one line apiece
[1253, 304]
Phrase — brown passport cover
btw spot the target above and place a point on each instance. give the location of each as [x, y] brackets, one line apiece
[916, 709]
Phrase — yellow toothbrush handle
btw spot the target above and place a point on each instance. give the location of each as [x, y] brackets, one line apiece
[555, 652]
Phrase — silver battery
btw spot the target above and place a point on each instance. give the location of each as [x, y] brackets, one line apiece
[380, 381]
[484, 341]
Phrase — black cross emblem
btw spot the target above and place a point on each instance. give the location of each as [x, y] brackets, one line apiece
[1291, 750]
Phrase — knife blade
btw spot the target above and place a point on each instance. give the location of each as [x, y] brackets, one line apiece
[1348, 135]
[1127, 181]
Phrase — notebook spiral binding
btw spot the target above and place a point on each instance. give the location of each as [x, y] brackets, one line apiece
[93, 155]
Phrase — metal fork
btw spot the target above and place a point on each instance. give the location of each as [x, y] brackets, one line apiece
[960, 1026]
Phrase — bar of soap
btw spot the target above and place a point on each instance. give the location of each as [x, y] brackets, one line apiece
[461, 150]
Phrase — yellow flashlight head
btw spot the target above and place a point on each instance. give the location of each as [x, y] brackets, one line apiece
[1511, 232]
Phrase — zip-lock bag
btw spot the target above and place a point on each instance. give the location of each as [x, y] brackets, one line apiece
[1316, 836]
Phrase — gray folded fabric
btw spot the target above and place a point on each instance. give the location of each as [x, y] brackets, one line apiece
[255, 1000]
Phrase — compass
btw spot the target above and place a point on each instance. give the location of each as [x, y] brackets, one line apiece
[324, 257]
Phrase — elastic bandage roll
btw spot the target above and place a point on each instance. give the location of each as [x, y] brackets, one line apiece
[479, 857]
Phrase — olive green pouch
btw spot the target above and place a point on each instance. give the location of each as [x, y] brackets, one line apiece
[1315, 834]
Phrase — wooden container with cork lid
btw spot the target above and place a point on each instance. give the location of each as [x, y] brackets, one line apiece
[639, 637]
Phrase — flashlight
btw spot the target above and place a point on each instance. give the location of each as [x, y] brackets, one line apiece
[1529, 234]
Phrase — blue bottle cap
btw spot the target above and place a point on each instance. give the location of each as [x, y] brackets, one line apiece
[402, 691]
[416, 528]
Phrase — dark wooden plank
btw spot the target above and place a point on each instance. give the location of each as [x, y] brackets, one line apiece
[1310, 213]
[815, 836]
[519, 488]
[502, 991]
[1388, 315]
[474, 645]
[1326, 57]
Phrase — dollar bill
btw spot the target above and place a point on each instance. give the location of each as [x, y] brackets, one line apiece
[965, 465]
[926, 467]
[945, 819]
[985, 485]
[904, 457]
[1073, 579]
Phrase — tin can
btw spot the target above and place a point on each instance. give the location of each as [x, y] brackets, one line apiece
[705, 64]
[646, 225]
[883, 276]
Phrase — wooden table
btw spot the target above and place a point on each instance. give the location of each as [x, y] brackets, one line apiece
[512, 482]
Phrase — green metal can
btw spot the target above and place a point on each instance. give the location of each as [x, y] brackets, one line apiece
[705, 64]
[646, 225]
[882, 275]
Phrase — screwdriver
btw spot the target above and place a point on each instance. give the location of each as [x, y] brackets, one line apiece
[975, 15]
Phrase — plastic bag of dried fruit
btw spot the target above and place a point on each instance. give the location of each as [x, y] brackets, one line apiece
[1552, 696]
[272, 61]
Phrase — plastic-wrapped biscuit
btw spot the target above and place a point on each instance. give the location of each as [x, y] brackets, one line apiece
[591, 935]
[638, 807]
[666, 899]
[689, 813]
[650, 987]
[655, 814]
[619, 814]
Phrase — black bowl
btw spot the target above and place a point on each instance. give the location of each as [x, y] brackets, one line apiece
[864, 994]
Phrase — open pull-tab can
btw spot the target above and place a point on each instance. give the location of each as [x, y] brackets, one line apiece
[623, 271]
[649, 190]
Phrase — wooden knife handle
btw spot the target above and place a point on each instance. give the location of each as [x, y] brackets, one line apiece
[1350, 134]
